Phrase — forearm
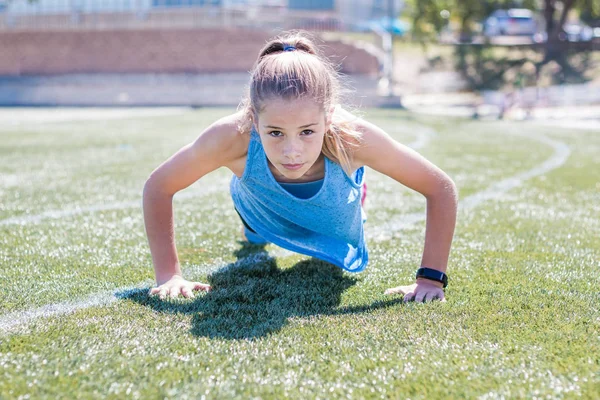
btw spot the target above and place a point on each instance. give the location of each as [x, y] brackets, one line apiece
[159, 222]
[441, 221]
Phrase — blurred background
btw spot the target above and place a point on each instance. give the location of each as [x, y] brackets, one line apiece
[520, 59]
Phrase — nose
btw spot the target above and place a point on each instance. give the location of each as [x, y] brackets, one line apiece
[292, 150]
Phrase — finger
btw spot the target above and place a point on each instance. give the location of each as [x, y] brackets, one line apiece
[201, 286]
[441, 296]
[174, 292]
[437, 294]
[162, 293]
[430, 296]
[187, 292]
[398, 290]
[395, 290]
[420, 296]
[410, 296]
[153, 291]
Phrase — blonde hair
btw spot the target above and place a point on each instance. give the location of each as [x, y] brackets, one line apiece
[291, 67]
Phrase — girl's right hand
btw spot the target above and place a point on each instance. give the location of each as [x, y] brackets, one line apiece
[176, 285]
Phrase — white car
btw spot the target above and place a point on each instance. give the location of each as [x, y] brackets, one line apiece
[516, 21]
[578, 32]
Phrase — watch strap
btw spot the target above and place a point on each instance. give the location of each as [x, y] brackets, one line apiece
[433, 274]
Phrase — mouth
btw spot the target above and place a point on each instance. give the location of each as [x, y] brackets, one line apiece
[292, 167]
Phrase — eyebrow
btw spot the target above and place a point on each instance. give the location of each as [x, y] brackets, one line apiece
[303, 126]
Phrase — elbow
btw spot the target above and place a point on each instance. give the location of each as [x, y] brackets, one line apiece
[153, 187]
[445, 189]
[148, 191]
[149, 185]
[450, 188]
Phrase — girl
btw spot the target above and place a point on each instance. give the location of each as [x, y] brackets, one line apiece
[298, 162]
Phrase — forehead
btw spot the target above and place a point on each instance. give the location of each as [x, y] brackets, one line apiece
[290, 112]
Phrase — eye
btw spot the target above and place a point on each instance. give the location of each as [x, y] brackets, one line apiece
[307, 132]
[275, 133]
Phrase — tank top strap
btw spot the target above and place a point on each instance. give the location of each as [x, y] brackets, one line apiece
[254, 134]
[253, 159]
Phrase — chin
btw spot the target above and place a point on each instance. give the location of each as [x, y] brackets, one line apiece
[293, 174]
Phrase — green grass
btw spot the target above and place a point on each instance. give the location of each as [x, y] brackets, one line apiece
[521, 320]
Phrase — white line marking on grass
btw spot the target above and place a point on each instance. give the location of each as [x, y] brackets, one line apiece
[17, 318]
[560, 156]
[561, 153]
[55, 214]
[13, 320]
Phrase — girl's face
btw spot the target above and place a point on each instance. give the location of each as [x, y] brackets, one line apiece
[292, 132]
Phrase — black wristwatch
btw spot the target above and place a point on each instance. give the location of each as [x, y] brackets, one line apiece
[433, 274]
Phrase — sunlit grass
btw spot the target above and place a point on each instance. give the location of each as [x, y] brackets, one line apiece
[521, 320]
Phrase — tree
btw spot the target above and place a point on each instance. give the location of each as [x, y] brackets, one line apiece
[555, 14]
[428, 22]
[427, 14]
[590, 12]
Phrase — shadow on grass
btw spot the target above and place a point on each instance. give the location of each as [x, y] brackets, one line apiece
[252, 297]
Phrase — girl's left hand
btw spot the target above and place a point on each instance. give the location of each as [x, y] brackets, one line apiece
[422, 291]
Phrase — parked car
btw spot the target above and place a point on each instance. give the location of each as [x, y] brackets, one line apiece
[515, 21]
[578, 32]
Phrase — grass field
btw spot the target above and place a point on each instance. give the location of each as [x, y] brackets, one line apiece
[522, 318]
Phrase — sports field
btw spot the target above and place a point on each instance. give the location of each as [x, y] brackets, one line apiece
[522, 318]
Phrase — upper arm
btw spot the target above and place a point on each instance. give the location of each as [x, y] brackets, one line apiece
[217, 146]
[384, 154]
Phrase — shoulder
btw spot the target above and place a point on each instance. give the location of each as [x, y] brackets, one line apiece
[223, 138]
[219, 145]
[379, 151]
[372, 138]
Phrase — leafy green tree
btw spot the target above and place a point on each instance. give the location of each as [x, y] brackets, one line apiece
[590, 11]
[427, 15]
[428, 22]
[555, 18]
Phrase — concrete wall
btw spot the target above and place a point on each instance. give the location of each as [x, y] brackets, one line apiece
[151, 51]
[147, 67]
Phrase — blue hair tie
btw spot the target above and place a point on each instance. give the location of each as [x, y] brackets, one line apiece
[288, 47]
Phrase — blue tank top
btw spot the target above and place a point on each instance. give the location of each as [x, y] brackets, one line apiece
[302, 190]
[328, 225]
